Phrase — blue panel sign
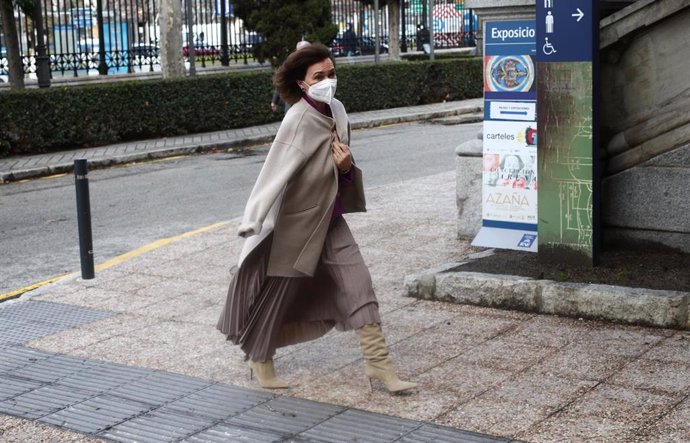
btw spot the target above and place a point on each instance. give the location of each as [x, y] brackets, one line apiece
[508, 38]
[564, 30]
[509, 161]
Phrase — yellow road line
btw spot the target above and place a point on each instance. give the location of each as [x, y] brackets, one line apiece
[19, 292]
[45, 177]
[116, 260]
[54, 176]
[165, 159]
[155, 245]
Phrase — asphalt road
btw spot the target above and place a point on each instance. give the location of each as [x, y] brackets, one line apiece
[137, 204]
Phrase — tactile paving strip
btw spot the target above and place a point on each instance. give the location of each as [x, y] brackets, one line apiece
[158, 427]
[13, 357]
[159, 388]
[54, 368]
[24, 321]
[437, 434]
[67, 316]
[97, 414]
[362, 427]
[219, 402]
[43, 401]
[285, 415]
[11, 387]
[225, 433]
[128, 404]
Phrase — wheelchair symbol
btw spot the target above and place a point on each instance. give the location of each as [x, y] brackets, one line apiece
[548, 47]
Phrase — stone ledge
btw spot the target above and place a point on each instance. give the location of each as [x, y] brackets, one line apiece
[649, 307]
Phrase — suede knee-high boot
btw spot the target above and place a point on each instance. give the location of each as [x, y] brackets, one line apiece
[266, 375]
[379, 365]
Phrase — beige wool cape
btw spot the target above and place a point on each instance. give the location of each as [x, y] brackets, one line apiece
[294, 194]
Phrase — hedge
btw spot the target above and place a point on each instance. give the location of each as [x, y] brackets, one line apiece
[59, 118]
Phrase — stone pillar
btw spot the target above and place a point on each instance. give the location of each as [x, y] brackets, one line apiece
[172, 64]
[469, 154]
[469, 186]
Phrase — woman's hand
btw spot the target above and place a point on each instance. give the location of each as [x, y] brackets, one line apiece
[342, 156]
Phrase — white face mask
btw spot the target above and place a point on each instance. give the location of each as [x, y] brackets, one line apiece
[323, 91]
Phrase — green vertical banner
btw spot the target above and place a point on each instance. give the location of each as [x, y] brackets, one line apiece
[567, 115]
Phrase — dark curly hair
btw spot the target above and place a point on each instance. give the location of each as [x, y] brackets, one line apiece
[295, 69]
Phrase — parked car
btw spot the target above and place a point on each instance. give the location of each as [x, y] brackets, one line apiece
[201, 50]
[367, 46]
[144, 51]
[337, 47]
[252, 39]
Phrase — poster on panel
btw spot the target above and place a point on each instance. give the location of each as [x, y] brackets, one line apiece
[509, 166]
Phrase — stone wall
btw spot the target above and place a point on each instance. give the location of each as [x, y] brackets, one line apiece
[645, 50]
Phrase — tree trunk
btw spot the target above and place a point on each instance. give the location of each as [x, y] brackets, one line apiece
[14, 58]
[394, 29]
[172, 65]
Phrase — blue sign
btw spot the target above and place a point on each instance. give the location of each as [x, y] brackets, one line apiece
[509, 38]
[509, 60]
[564, 30]
[527, 240]
[228, 8]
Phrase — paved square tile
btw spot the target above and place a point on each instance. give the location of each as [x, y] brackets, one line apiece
[442, 338]
[675, 349]
[564, 427]
[465, 380]
[507, 354]
[671, 428]
[636, 408]
[539, 390]
[581, 361]
[501, 418]
[655, 376]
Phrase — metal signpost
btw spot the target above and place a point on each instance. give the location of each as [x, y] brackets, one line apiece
[567, 68]
[509, 173]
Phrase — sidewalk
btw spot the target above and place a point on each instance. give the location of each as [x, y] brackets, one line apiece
[133, 355]
[18, 168]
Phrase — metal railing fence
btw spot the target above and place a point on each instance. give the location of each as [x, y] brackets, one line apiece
[454, 26]
[131, 35]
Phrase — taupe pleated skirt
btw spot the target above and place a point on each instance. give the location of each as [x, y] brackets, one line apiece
[263, 313]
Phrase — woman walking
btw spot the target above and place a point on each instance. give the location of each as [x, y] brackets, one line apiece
[300, 272]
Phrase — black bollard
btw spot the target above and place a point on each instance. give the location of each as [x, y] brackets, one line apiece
[81, 183]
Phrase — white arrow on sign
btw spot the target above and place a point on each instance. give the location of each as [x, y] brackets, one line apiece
[579, 14]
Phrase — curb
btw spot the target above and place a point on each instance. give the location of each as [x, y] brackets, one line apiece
[638, 306]
[99, 163]
[61, 168]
